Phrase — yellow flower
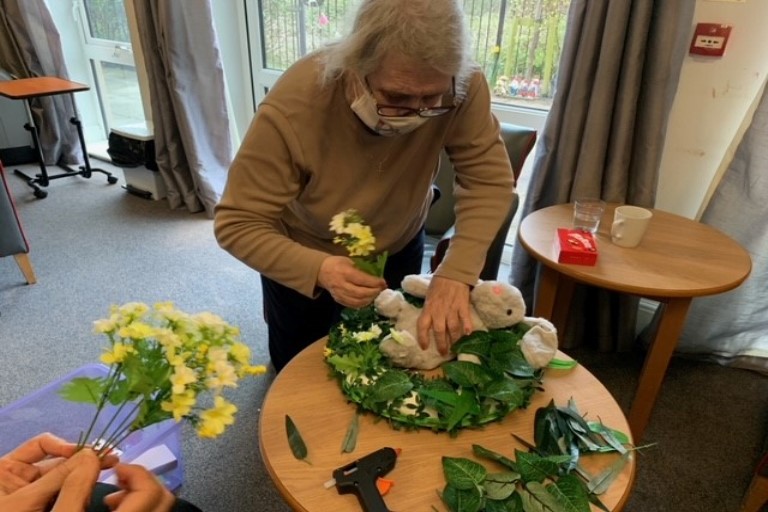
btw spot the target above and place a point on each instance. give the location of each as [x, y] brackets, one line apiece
[180, 405]
[327, 351]
[105, 325]
[339, 220]
[371, 334]
[216, 419]
[136, 331]
[221, 374]
[117, 354]
[241, 353]
[363, 242]
[253, 369]
[182, 375]
[217, 354]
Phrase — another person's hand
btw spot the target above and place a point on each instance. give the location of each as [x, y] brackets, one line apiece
[70, 482]
[34, 458]
[140, 491]
[446, 313]
[348, 285]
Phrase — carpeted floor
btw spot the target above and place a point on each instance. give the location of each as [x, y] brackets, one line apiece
[94, 245]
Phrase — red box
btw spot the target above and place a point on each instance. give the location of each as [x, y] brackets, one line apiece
[575, 246]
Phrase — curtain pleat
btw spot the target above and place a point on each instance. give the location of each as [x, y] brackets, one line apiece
[186, 80]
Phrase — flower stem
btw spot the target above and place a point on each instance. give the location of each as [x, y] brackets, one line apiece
[114, 372]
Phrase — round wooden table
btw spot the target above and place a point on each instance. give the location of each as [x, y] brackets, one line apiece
[304, 391]
[677, 259]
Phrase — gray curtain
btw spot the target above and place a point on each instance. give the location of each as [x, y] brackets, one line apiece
[186, 80]
[732, 327]
[605, 133]
[30, 46]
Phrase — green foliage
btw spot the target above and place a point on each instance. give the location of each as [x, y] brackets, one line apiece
[535, 481]
[466, 395]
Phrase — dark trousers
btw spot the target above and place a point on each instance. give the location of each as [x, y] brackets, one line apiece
[296, 321]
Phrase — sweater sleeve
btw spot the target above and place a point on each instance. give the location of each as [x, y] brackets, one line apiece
[483, 187]
[263, 179]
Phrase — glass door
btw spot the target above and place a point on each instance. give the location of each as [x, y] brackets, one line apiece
[109, 50]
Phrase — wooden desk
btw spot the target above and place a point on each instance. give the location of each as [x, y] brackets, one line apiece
[28, 88]
[678, 259]
[304, 391]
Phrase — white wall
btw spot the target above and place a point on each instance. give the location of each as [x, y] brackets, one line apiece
[713, 106]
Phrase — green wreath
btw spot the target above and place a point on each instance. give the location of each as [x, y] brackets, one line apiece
[466, 395]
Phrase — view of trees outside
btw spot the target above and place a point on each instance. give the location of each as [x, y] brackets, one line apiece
[106, 20]
[516, 42]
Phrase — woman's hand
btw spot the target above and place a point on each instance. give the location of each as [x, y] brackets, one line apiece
[46, 466]
[446, 314]
[70, 482]
[348, 285]
[140, 491]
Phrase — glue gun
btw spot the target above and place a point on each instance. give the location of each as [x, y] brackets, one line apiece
[360, 478]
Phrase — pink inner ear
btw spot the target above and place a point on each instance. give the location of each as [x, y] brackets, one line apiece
[497, 289]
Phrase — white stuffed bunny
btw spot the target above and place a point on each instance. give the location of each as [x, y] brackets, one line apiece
[494, 305]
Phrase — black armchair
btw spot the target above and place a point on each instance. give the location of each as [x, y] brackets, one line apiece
[519, 141]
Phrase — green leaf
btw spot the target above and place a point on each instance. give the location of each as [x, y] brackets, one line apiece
[505, 390]
[603, 480]
[570, 494]
[350, 439]
[494, 456]
[477, 343]
[462, 500]
[448, 397]
[84, 390]
[464, 405]
[534, 468]
[615, 438]
[298, 448]
[530, 503]
[500, 486]
[392, 384]
[540, 494]
[466, 374]
[463, 473]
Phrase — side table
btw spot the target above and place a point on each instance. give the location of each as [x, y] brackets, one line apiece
[304, 391]
[28, 88]
[677, 260]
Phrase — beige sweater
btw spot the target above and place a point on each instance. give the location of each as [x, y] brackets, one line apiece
[307, 157]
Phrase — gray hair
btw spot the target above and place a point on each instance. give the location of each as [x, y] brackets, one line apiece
[433, 31]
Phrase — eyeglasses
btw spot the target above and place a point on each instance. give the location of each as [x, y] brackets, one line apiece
[392, 111]
[396, 111]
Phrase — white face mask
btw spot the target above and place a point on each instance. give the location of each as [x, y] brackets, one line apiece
[365, 108]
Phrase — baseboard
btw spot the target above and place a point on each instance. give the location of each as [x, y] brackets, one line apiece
[18, 156]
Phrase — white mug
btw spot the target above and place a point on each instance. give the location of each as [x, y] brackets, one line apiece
[629, 225]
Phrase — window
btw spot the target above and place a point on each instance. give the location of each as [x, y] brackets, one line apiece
[516, 42]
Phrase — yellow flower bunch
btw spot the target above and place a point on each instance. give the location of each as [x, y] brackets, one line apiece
[359, 240]
[163, 363]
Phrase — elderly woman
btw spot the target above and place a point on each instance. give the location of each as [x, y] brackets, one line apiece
[361, 124]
